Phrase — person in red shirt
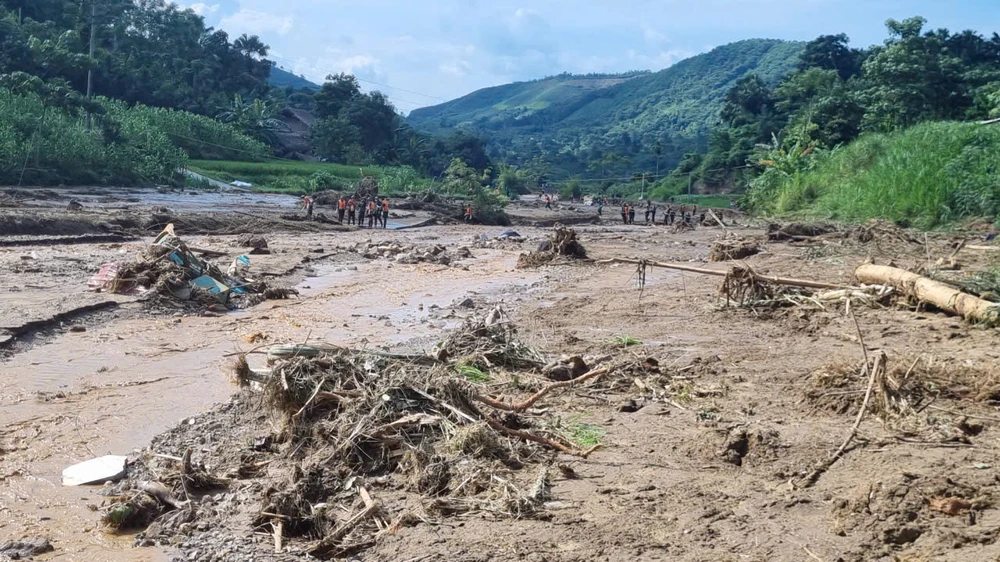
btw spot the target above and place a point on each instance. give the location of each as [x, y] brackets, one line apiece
[468, 214]
[341, 209]
[352, 211]
[385, 211]
[371, 213]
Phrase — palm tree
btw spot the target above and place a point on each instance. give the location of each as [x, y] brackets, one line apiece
[252, 48]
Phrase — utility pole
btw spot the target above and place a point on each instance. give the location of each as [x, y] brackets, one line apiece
[90, 71]
[642, 192]
[690, 181]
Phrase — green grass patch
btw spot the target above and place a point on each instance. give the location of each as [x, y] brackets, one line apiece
[472, 373]
[582, 434]
[298, 178]
[930, 175]
[625, 341]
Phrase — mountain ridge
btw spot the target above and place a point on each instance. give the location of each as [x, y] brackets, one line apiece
[569, 122]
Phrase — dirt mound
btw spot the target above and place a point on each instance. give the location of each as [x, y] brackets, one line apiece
[562, 245]
[733, 249]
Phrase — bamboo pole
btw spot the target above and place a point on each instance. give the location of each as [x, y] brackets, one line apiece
[718, 273]
[944, 297]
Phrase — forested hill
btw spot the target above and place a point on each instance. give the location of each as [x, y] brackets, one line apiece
[281, 78]
[570, 122]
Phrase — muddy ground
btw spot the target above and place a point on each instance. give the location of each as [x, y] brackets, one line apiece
[699, 465]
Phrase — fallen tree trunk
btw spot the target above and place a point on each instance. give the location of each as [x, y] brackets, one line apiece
[944, 297]
[770, 279]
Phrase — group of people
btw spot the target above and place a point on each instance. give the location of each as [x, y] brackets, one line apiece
[687, 214]
[374, 209]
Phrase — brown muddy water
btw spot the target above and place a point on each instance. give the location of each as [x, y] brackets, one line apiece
[127, 378]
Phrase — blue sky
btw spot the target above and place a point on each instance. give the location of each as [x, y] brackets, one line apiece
[422, 52]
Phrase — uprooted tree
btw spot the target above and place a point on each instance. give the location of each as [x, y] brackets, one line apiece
[487, 206]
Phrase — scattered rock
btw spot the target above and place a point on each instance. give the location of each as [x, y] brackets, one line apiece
[566, 368]
[25, 548]
[629, 406]
[77, 329]
[903, 535]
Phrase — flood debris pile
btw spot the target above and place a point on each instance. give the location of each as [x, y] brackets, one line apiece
[352, 444]
[489, 341]
[253, 241]
[877, 236]
[797, 231]
[168, 272]
[411, 253]
[562, 246]
[727, 249]
[367, 188]
[906, 390]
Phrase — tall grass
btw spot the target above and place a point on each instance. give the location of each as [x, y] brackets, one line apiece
[930, 175]
[306, 177]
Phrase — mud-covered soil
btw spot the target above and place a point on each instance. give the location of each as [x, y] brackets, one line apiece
[699, 462]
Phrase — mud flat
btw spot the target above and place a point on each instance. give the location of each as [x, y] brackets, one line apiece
[709, 417]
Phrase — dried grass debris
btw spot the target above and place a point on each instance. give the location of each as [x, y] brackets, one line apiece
[563, 245]
[728, 249]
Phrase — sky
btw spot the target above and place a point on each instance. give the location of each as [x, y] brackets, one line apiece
[425, 52]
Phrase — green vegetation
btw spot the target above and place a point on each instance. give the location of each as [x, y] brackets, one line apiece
[856, 134]
[281, 78]
[308, 177]
[583, 435]
[146, 51]
[625, 341]
[213, 98]
[464, 181]
[566, 123]
[928, 175]
[472, 373]
[39, 145]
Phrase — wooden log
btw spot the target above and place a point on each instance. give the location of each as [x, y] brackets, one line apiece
[718, 273]
[944, 297]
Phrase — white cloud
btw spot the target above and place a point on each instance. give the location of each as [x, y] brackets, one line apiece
[334, 61]
[259, 23]
[456, 67]
[202, 9]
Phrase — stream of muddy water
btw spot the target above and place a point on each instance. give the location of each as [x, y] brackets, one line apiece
[111, 388]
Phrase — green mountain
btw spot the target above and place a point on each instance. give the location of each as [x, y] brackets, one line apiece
[281, 78]
[568, 122]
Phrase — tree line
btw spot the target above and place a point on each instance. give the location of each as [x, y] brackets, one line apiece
[839, 92]
[69, 58]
